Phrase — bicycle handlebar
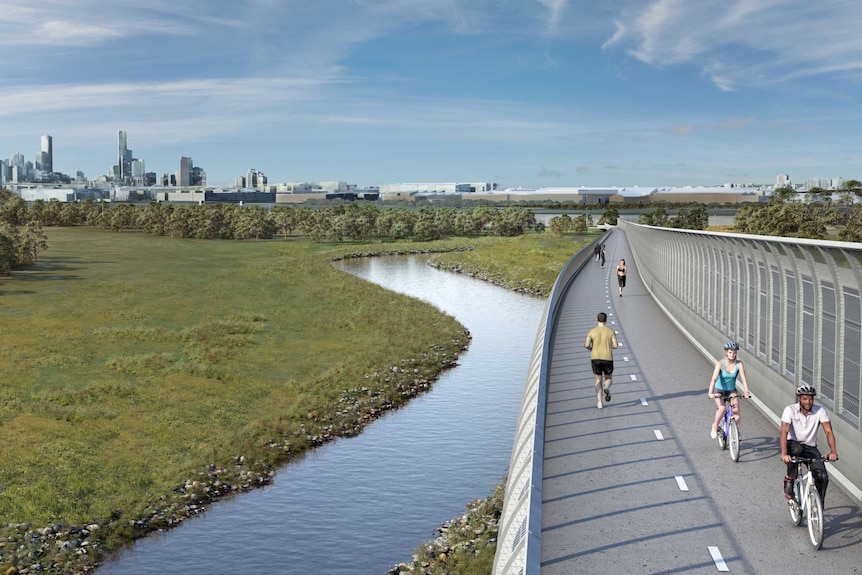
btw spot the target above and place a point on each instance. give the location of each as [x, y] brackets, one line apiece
[794, 459]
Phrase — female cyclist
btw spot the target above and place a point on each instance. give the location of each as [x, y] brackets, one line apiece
[723, 383]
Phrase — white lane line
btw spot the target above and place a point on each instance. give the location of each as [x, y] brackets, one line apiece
[625, 358]
[718, 559]
[681, 482]
[634, 377]
[644, 401]
[658, 434]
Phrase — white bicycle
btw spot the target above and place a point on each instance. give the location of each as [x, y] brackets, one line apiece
[807, 501]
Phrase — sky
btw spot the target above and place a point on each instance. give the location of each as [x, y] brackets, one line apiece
[531, 93]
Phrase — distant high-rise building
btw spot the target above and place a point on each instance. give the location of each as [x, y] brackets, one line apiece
[184, 174]
[198, 176]
[47, 154]
[255, 179]
[782, 180]
[138, 170]
[124, 157]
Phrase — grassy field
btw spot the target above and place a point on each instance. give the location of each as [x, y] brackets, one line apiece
[528, 263]
[141, 376]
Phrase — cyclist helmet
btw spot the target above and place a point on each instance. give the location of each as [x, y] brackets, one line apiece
[732, 345]
[806, 389]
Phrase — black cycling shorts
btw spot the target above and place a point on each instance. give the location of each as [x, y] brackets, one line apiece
[602, 366]
[622, 280]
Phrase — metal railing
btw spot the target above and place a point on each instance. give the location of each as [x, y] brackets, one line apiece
[793, 305]
[519, 545]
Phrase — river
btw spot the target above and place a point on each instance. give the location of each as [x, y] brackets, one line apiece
[358, 506]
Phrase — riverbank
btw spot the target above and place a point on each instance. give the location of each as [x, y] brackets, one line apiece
[467, 545]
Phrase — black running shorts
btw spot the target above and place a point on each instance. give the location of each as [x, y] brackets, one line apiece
[602, 366]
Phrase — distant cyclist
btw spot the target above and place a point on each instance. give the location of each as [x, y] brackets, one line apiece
[798, 438]
[723, 384]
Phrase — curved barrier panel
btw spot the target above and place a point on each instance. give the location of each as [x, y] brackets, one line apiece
[519, 546]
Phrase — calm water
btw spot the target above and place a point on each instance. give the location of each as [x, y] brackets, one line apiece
[360, 505]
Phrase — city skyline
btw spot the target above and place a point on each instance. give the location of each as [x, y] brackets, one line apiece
[531, 93]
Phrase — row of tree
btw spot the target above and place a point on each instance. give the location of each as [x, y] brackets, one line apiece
[231, 221]
[687, 218]
[816, 216]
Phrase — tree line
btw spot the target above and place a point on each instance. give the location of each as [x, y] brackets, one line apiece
[687, 218]
[21, 236]
[814, 216]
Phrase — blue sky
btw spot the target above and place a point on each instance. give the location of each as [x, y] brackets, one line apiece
[529, 93]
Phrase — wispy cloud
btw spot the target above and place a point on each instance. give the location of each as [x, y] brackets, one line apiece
[745, 42]
[93, 22]
[554, 14]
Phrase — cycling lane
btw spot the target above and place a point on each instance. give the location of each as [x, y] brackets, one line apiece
[639, 486]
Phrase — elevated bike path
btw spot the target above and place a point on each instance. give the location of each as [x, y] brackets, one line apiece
[639, 486]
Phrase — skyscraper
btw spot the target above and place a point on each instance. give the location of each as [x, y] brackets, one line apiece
[184, 174]
[124, 157]
[47, 154]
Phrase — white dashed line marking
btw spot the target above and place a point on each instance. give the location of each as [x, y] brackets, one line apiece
[634, 377]
[658, 434]
[644, 401]
[625, 358]
[681, 482]
[718, 559]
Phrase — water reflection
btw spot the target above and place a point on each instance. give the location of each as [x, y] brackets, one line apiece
[359, 505]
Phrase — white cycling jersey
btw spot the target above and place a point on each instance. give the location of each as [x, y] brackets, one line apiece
[803, 428]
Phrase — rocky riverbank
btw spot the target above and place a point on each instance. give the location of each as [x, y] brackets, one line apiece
[63, 549]
[466, 545]
[521, 286]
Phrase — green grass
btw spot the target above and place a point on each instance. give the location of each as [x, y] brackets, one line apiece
[141, 375]
[528, 263]
[130, 364]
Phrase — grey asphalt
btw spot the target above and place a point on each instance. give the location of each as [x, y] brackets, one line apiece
[639, 487]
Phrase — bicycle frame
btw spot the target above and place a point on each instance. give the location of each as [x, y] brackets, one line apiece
[807, 501]
[728, 432]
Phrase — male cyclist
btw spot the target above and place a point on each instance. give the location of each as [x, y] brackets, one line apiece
[798, 438]
[723, 385]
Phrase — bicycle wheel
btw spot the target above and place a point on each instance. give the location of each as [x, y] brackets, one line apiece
[815, 518]
[722, 438]
[795, 509]
[733, 440]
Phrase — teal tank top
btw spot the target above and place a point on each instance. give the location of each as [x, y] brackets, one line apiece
[726, 381]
